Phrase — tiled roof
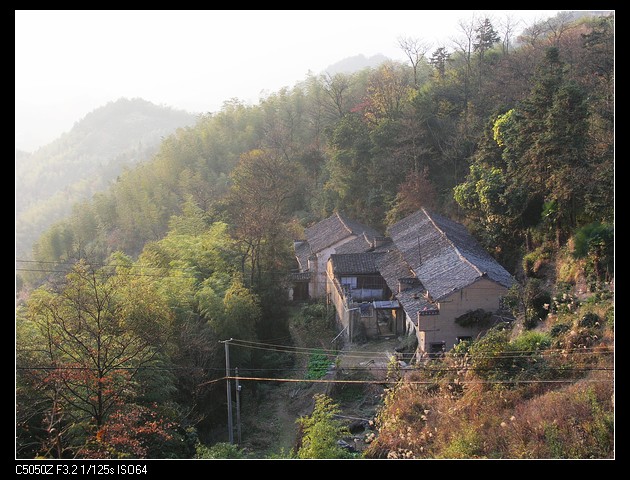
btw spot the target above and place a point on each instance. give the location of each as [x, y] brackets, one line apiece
[392, 267]
[334, 229]
[357, 245]
[443, 255]
[439, 253]
[414, 301]
[355, 263]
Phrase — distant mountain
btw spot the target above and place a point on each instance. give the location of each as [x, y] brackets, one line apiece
[356, 63]
[85, 160]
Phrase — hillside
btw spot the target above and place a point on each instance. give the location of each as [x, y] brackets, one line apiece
[139, 293]
[49, 181]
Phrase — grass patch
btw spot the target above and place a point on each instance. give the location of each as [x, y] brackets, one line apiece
[318, 364]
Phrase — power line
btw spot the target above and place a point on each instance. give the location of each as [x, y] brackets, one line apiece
[575, 368]
[412, 382]
[134, 274]
[99, 264]
[69, 265]
[361, 354]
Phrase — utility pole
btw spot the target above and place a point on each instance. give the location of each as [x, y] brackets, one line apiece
[229, 389]
[238, 407]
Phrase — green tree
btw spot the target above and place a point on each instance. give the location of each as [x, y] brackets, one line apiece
[350, 150]
[438, 60]
[234, 315]
[596, 242]
[219, 451]
[545, 144]
[485, 38]
[498, 210]
[321, 431]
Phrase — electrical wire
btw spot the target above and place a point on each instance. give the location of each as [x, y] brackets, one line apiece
[361, 354]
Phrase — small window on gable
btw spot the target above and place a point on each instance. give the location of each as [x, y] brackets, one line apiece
[437, 349]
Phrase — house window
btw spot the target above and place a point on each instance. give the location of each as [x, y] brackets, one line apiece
[464, 339]
[437, 349]
[350, 282]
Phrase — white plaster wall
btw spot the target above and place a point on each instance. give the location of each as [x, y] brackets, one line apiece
[318, 284]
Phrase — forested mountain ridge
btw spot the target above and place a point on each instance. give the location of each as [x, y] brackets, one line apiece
[192, 247]
[355, 63]
[85, 160]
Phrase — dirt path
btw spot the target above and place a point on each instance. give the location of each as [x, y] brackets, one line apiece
[373, 355]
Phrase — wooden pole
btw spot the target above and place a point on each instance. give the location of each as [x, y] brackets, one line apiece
[238, 408]
[229, 390]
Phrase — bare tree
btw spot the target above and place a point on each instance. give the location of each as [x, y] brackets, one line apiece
[506, 28]
[336, 87]
[465, 45]
[534, 33]
[415, 49]
[558, 25]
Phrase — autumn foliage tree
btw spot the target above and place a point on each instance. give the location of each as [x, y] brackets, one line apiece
[264, 185]
[415, 192]
[97, 333]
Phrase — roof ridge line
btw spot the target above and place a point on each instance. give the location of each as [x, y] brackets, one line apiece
[459, 254]
[343, 223]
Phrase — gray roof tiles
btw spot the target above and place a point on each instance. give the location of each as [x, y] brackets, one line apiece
[444, 256]
[334, 229]
[439, 252]
[358, 245]
[355, 263]
[393, 267]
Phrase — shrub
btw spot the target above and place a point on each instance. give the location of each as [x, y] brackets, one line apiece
[316, 314]
[219, 450]
[531, 300]
[559, 329]
[526, 361]
[534, 261]
[589, 320]
[531, 342]
[596, 243]
[322, 431]
[488, 355]
[465, 444]
[564, 303]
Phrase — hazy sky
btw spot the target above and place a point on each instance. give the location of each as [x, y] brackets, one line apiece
[68, 63]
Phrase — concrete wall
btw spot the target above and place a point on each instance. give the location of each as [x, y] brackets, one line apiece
[483, 294]
[336, 297]
[355, 326]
